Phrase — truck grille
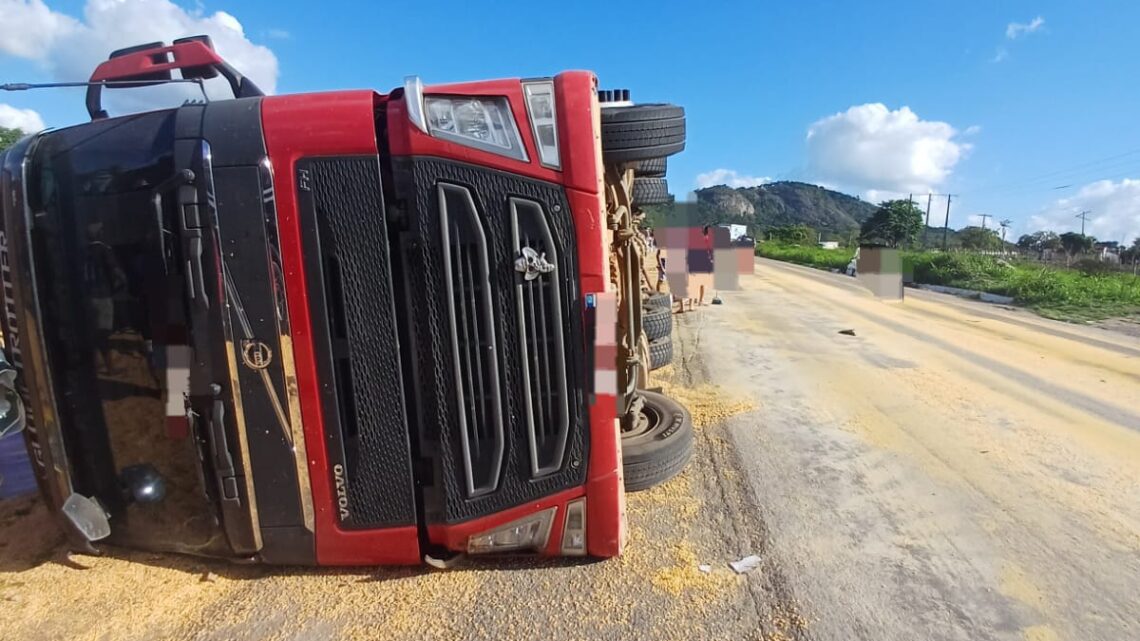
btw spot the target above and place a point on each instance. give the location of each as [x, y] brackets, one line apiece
[497, 361]
[476, 358]
[353, 315]
[539, 304]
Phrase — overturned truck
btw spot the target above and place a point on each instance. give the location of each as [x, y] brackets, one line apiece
[341, 328]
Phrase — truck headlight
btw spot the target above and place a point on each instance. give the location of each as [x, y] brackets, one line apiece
[529, 533]
[543, 120]
[481, 122]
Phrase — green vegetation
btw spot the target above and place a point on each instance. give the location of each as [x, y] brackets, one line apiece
[1090, 292]
[1039, 241]
[806, 255]
[1065, 294]
[894, 223]
[8, 137]
[1074, 243]
[978, 238]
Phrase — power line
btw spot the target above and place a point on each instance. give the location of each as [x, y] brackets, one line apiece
[1058, 173]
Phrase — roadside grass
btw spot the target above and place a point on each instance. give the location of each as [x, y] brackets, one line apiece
[1062, 294]
[805, 255]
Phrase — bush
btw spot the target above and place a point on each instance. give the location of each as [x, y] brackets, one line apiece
[805, 255]
[1093, 266]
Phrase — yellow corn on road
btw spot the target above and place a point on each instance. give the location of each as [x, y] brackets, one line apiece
[954, 470]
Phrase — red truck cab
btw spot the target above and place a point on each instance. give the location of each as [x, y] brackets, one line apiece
[328, 328]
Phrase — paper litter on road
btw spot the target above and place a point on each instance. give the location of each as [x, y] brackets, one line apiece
[747, 564]
[704, 567]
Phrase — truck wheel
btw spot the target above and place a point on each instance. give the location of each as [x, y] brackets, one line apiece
[657, 323]
[660, 353]
[652, 168]
[659, 300]
[641, 132]
[659, 445]
[650, 191]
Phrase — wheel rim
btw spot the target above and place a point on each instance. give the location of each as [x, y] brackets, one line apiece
[646, 425]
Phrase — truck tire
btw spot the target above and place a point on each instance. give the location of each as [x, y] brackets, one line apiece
[660, 300]
[660, 353]
[652, 168]
[657, 323]
[650, 191]
[660, 444]
[641, 132]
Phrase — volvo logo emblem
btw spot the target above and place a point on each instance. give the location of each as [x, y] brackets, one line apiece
[532, 264]
[255, 354]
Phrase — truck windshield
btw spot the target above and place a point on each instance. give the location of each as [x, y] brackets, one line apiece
[113, 297]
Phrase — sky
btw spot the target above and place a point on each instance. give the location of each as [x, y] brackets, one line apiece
[1025, 111]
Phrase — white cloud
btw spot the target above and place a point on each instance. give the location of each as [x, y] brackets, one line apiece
[1001, 54]
[871, 148]
[972, 130]
[69, 48]
[1114, 211]
[30, 29]
[729, 177]
[25, 120]
[1015, 30]
[879, 195]
[279, 34]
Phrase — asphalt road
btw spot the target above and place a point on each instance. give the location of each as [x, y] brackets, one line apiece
[954, 470]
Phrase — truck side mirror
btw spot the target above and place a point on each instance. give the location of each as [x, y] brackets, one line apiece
[87, 517]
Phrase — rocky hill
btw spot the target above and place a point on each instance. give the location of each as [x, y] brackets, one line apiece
[835, 214]
[784, 203]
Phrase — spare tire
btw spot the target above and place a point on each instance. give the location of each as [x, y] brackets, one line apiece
[641, 132]
[657, 322]
[658, 301]
[659, 445]
[650, 191]
[660, 353]
[652, 168]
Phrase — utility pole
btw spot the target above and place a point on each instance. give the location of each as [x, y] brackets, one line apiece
[984, 217]
[1004, 225]
[926, 229]
[1083, 216]
[946, 224]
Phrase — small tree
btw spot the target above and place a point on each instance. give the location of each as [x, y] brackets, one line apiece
[895, 223]
[977, 238]
[1131, 255]
[1039, 241]
[793, 234]
[1074, 243]
[8, 137]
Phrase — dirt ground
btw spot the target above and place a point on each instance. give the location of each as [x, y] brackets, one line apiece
[654, 591]
[952, 470]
